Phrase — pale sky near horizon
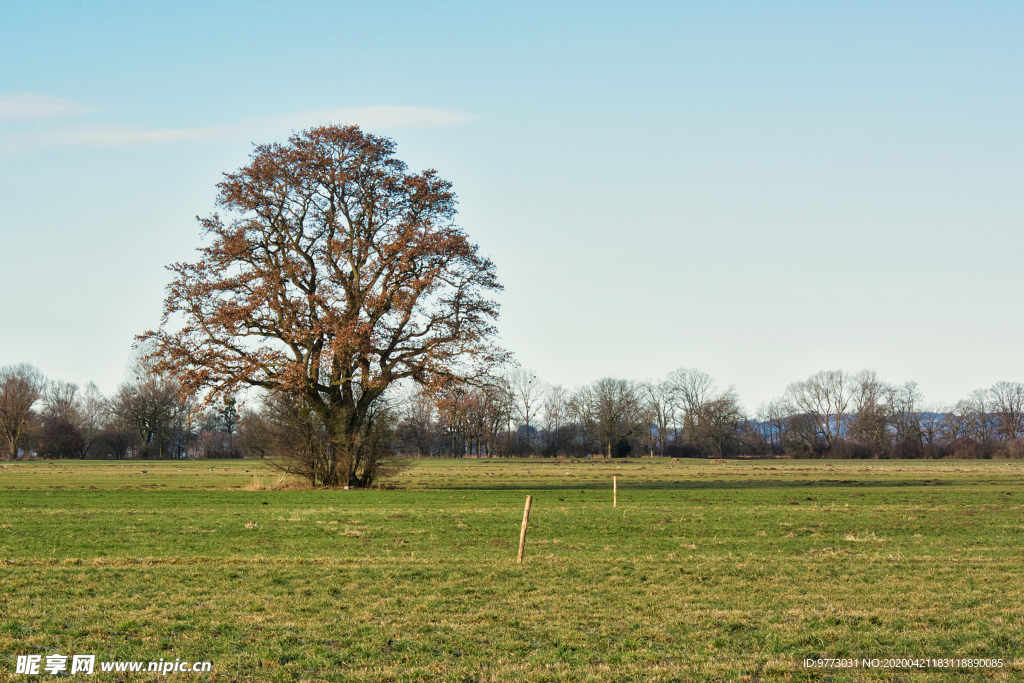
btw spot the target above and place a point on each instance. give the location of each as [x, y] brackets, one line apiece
[759, 190]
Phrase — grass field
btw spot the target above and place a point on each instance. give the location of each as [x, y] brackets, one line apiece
[704, 572]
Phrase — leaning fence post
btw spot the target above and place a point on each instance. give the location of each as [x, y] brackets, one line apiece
[522, 530]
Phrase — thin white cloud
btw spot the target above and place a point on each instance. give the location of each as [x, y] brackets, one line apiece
[18, 109]
[32, 107]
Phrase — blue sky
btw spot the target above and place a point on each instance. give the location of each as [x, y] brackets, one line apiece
[760, 190]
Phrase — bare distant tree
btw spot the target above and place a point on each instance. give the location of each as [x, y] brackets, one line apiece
[555, 408]
[719, 423]
[958, 422]
[931, 421]
[151, 402]
[646, 434]
[59, 434]
[496, 399]
[60, 400]
[477, 421]
[772, 416]
[609, 409]
[711, 419]
[471, 417]
[20, 387]
[93, 412]
[660, 402]
[802, 434]
[416, 429]
[904, 407]
[555, 413]
[868, 421]
[451, 402]
[978, 406]
[691, 389]
[228, 414]
[1008, 407]
[528, 397]
[824, 397]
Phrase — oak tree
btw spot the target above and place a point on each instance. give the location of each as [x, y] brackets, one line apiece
[333, 273]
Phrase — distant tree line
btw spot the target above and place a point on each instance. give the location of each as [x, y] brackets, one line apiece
[516, 414]
[831, 414]
[146, 418]
[513, 413]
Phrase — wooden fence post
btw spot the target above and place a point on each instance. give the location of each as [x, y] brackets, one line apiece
[615, 492]
[522, 530]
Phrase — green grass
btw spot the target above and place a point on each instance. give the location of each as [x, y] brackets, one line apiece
[704, 572]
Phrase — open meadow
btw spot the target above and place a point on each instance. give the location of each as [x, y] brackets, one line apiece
[704, 571]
